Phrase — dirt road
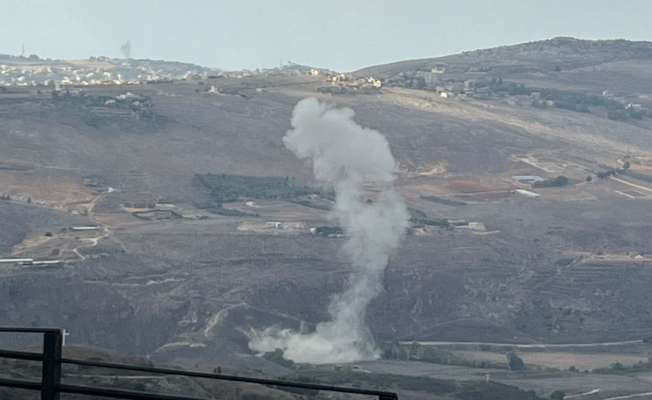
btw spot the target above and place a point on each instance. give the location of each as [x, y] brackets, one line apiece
[528, 346]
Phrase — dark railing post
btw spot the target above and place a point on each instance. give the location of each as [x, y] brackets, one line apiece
[51, 375]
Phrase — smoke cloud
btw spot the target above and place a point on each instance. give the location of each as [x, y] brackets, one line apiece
[350, 157]
[125, 49]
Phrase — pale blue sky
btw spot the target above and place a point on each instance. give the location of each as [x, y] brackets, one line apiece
[339, 34]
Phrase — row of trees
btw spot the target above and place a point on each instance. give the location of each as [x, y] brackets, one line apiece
[561, 180]
[567, 100]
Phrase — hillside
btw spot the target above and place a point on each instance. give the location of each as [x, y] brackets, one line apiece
[619, 67]
[552, 55]
[529, 188]
[17, 71]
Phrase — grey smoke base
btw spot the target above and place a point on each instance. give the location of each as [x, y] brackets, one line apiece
[347, 156]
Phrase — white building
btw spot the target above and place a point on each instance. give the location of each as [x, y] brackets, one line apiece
[85, 228]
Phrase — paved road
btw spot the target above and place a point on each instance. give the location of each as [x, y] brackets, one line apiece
[529, 346]
[624, 182]
[589, 393]
[629, 396]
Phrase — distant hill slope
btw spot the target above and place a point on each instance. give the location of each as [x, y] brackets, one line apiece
[545, 55]
[35, 71]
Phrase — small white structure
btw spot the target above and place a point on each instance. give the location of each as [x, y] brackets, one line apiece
[527, 179]
[477, 226]
[376, 83]
[46, 262]
[126, 96]
[274, 224]
[438, 69]
[65, 335]
[527, 193]
[85, 228]
[16, 260]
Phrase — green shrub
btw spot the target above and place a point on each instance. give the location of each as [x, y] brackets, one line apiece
[211, 191]
[329, 231]
[559, 181]
[514, 362]
[225, 188]
[276, 356]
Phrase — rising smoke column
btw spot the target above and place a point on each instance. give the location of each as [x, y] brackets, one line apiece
[347, 156]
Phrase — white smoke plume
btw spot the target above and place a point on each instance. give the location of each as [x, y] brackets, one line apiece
[349, 157]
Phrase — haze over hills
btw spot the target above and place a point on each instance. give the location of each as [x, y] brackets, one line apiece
[175, 221]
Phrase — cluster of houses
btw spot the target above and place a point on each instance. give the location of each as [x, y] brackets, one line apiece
[435, 79]
[288, 69]
[348, 84]
[20, 71]
[61, 75]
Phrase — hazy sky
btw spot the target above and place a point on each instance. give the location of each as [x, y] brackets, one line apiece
[339, 34]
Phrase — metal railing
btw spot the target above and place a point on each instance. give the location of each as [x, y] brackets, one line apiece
[51, 387]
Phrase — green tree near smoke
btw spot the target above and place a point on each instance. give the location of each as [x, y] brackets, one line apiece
[514, 362]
